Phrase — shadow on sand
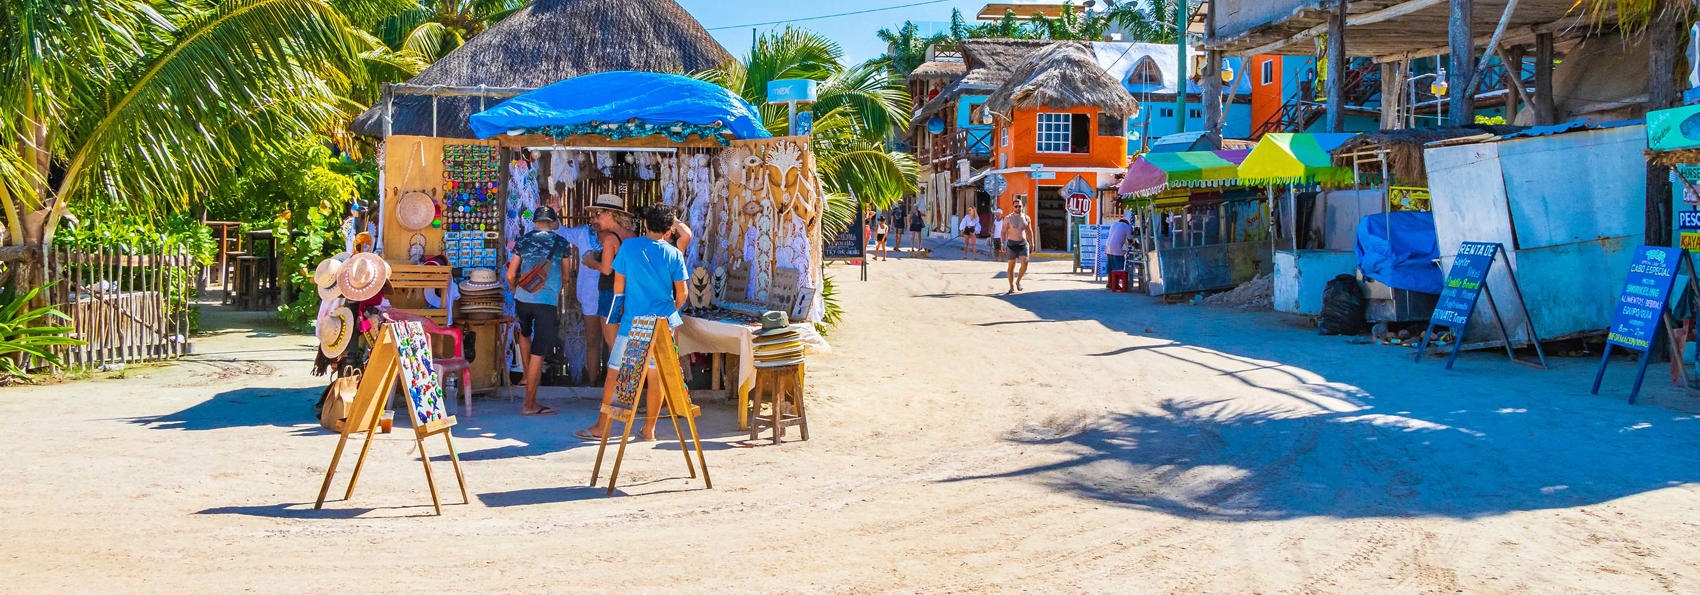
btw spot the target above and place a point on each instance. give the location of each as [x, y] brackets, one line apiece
[1338, 430]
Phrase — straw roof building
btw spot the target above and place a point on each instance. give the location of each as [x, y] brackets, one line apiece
[987, 64]
[1064, 75]
[546, 42]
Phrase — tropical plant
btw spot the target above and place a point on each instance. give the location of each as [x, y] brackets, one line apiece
[151, 103]
[431, 29]
[26, 336]
[906, 48]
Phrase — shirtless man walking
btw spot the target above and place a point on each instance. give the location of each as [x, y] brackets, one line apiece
[1015, 235]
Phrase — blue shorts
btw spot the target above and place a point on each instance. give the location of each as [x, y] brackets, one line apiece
[605, 306]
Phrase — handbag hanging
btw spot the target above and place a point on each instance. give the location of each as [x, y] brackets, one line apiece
[338, 399]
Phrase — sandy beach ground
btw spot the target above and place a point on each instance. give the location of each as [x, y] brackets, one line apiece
[1062, 439]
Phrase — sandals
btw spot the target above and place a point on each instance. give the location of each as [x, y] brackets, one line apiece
[542, 410]
[587, 435]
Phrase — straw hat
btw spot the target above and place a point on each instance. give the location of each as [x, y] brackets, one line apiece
[325, 277]
[480, 281]
[415, 211]
[612, 202]
[363, 276]
[335, 331]
[774, 322]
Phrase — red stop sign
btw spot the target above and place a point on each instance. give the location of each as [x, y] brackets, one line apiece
[1079, 205]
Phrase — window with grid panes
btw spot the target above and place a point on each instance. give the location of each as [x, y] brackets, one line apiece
[1055, 133]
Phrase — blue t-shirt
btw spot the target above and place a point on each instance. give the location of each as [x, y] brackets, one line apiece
[540, 246]
[650, 267]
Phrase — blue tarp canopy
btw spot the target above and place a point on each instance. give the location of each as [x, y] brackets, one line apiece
[1405, 258]
[619, 97]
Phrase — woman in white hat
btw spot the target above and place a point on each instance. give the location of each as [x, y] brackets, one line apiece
[609, 215]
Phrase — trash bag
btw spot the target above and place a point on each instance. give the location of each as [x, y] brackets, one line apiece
[1343, 307]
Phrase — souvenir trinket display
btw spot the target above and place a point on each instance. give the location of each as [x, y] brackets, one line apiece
[471, 211]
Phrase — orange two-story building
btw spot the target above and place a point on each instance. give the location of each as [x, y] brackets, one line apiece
[1058, 117]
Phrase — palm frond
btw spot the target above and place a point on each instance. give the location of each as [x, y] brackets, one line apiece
[878, 97]
[431, 41]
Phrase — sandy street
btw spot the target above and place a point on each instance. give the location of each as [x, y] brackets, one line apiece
[1062, 439]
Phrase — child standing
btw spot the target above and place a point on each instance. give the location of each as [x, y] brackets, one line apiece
[880, 230]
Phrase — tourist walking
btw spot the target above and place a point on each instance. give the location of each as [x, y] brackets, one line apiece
[535, 272]
[899, 215]
[917, 223]
[649, 280]
[970, 230]
[880, 229]
[1017, 232]
[997, 232]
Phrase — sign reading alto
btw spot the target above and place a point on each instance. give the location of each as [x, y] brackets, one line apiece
[1077, 196]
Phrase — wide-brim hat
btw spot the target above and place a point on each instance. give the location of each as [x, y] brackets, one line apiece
[779, 364]
[363, 276]
[325, 274]
[415, 211]
[774, 322]
[612, 202]
[335, 331]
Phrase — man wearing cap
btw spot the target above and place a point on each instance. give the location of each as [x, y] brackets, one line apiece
[649, 280]
[535, 272]
[1115, 247]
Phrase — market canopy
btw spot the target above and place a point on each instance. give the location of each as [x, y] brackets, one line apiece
[1295, 158]
[624, 104]
[1153, 173]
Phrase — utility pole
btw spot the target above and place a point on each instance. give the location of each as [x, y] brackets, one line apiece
[1180, 72]
[1462, 42]
[1336, 102]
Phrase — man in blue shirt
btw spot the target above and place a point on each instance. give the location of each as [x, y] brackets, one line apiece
[534, 273]
[649, 280]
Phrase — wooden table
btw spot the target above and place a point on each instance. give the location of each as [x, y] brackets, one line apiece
[701, 335]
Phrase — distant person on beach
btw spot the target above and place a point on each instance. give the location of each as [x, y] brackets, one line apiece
[1017, 232]
[917, 223]
[899, 215]
[997, 233]
[970, 230]
[880, 229]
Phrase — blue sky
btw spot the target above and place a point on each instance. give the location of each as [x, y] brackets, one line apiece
[854, 32]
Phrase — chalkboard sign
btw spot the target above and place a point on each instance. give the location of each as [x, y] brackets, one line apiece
[1642, 301]
[1464, 284]
[850, 243]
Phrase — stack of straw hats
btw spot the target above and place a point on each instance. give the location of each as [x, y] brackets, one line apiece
[480, 296]
[777, 344]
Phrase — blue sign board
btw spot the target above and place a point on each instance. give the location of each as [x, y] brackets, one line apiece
[1464, 284]
[1642, 301]
[783, 90]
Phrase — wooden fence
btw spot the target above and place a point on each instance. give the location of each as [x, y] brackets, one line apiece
[126, 307]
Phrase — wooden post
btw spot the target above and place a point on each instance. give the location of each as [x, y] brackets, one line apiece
[1513, 81]
[1545, 113]
[1180, 57]
[1336, 104]
[1212, 73]
[1462, 41]
[1393, 98]
[1666, 36]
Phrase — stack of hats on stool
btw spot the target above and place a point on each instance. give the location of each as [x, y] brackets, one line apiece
[480, 296]
[777, 344]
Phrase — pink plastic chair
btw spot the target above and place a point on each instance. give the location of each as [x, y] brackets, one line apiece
[444, 365]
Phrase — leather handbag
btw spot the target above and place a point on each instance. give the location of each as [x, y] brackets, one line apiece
[339, 398]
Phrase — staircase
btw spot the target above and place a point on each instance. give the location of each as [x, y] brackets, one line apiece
[1304, 108]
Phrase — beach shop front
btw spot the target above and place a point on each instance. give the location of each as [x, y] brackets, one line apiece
[1199, 229]
[1315, 221]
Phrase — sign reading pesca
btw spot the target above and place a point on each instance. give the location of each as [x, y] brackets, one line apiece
[1642, 301]
[1464, 284]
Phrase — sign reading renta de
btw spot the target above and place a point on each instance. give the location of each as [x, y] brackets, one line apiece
[1464, 284]
[1642, 301]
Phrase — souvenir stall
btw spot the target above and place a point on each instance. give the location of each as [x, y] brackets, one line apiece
[1315, 221]
[1199, 229]
[752, 201]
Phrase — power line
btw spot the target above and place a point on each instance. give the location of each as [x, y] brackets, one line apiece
[830, 16]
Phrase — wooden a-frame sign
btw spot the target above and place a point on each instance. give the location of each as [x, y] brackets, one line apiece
[402, 353]
[1646, 297]
[1465, 283]
[650, 343]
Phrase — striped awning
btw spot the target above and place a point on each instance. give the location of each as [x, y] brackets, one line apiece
[1153, 173]
[1295, 158]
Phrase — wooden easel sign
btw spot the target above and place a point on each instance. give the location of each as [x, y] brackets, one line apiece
[1466, 282]
[1641, 307]
[403, 352]
[650, 344]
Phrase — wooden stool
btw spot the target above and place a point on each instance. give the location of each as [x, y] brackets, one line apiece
[776, 386]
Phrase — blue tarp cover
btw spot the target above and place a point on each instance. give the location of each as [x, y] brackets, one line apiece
[619, 96]
[1407, 261]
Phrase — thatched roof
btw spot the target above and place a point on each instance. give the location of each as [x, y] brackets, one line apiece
[1064, 75]
[939, 71]
[989, 62]
[1404, 148]
[549, 41]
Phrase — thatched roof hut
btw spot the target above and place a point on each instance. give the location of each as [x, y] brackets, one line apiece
[546, 42]
[1064, 75]
[1404, 148]
[939, 70]
[989, 63]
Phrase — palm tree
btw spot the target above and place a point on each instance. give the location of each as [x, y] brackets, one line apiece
[150, 103]
[433, 28]
[1151, 21]
[906, 48]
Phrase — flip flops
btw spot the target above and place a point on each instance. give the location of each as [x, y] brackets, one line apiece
[540, 412]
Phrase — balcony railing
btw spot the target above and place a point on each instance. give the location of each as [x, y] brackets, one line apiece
[973, 143]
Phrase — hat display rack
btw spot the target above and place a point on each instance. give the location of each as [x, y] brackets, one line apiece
[471, 214]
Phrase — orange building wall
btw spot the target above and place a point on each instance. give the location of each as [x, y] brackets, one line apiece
[1266, 100]
[1105, 151]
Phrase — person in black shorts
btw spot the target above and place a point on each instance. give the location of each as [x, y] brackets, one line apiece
[1017, 231]
[535, 272]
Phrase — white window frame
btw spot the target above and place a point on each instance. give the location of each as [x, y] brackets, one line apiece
[1268, 72]
[1053, 130]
